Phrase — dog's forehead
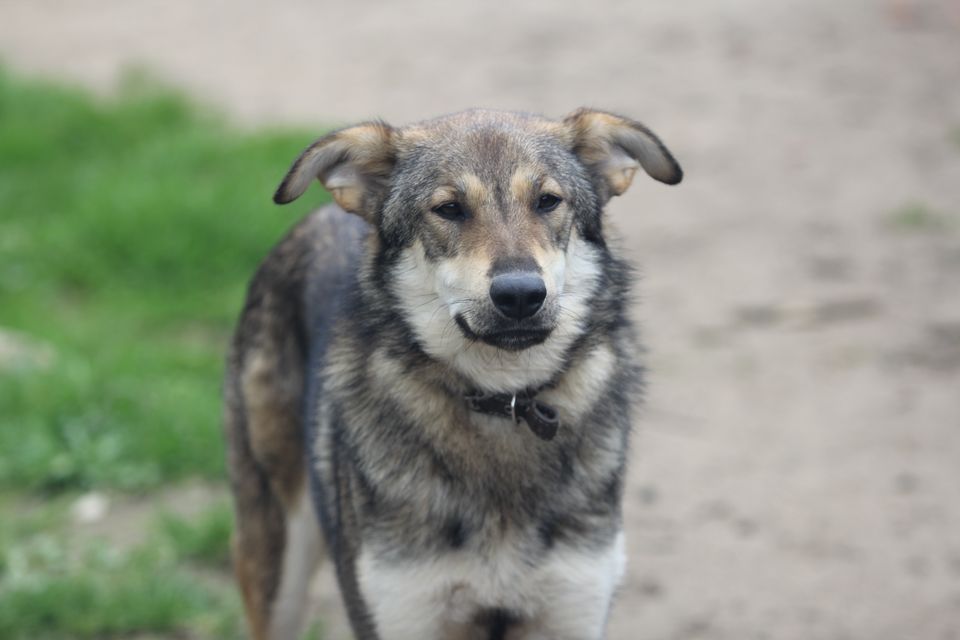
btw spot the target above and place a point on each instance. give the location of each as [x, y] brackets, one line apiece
[484, 142]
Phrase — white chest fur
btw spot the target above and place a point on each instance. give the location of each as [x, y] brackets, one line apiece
[566, 595]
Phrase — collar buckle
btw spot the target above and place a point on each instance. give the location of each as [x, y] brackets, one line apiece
[542, 419]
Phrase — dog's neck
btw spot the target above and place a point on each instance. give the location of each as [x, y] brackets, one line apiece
[542, 418]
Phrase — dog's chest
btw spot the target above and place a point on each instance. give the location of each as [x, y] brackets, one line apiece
[454, 589]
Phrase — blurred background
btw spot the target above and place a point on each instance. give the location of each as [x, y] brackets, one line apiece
[796, 472]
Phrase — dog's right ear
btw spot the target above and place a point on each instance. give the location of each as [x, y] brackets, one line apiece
[354, 164]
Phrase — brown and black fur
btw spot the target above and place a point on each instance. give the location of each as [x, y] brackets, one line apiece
[265, 393]
[331, 388]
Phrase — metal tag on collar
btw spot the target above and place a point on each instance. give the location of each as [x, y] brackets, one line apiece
[513, 409]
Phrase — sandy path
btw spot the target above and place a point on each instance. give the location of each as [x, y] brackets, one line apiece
[797, 471]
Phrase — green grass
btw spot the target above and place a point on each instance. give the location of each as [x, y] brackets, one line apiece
[204, 539]
[49, 591]
[918, 217]
[22, 520]
[128, 230]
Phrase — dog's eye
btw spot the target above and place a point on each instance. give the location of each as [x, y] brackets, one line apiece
[450, 211]
[548, 202]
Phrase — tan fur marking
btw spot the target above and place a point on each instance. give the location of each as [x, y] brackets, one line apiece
[518, 235]
[350, 199]
[272, 398]
[270, 394]
[615, 147]
[483, 240]
[595, 131]
[352, 164]
[443, 195]
[426, 403]
[550, 127]
[551, 186]
[474, 190]
[246, 572]
[620, 180]
[367, 139]
[523, 184]
[412, 135]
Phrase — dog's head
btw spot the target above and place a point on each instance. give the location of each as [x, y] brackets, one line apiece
[491, 224]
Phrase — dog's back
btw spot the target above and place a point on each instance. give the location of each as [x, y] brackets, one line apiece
[286, 323]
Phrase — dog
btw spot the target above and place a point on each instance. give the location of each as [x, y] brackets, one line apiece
[433, 380]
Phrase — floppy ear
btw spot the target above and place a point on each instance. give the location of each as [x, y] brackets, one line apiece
[354, 164]
[613, 147]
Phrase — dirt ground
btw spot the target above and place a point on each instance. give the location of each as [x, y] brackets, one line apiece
[796, 473]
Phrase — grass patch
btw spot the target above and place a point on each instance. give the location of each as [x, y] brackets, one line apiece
[48, 592]
[128, 232]
[26, 519]
[916, 216]
[313, 632]
[204, 539]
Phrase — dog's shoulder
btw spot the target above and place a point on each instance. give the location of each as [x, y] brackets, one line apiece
[332, 242]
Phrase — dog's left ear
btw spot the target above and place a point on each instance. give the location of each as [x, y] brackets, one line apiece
[613, 147]
[354, 164]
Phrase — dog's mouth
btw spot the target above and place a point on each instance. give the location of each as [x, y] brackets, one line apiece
[516, 339]
[513, 339]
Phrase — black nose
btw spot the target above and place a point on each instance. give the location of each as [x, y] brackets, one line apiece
[518, 295]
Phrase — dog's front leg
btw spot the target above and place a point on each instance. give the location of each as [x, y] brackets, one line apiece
[416, 600]
[578, 587]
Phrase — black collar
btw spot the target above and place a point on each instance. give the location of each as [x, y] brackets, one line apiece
[542, 419]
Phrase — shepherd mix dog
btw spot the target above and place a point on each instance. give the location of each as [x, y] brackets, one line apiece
[433, 380]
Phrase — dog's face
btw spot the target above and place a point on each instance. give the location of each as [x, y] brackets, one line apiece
[493, 222]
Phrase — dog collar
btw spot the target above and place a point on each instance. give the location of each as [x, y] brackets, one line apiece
[542, 419]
